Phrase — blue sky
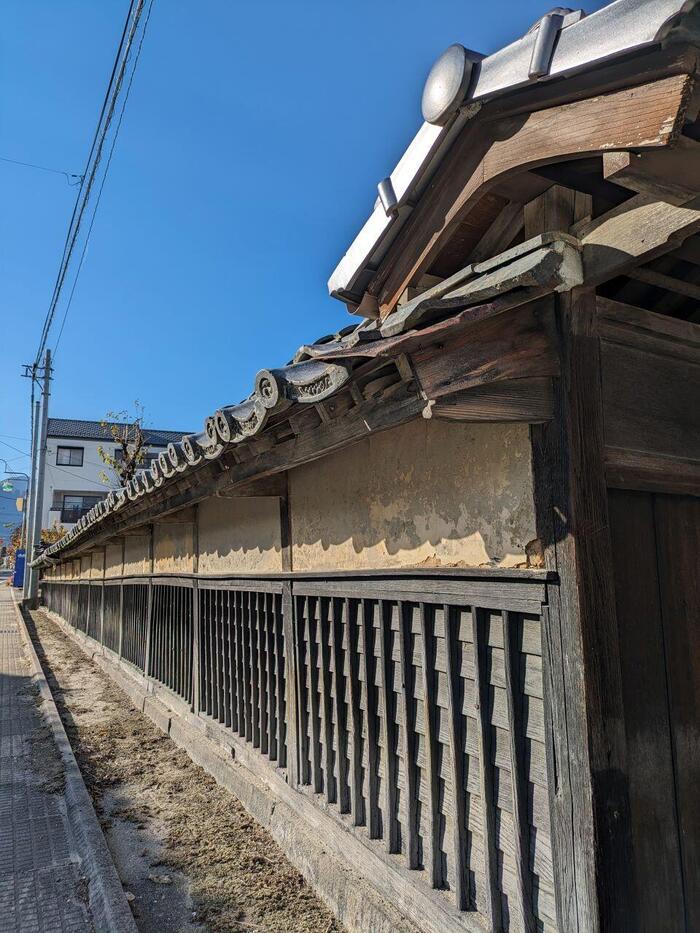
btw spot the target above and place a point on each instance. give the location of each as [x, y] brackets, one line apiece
[248, 159]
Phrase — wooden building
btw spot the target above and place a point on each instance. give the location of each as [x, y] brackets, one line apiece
[427, 600]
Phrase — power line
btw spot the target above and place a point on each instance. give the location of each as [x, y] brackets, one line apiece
[109, 106]
[104, 178]
[44, 168]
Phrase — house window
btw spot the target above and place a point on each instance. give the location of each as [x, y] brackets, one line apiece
[74, 507]
[69, 456]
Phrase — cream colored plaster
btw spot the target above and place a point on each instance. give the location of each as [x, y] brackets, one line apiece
[136, 554]
[85, 564]
[429, 492]
[240, 535]
[98, 565]
[113, 561]
[173, 548]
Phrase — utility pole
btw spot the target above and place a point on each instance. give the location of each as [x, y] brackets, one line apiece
[37, 508]
[31, 492]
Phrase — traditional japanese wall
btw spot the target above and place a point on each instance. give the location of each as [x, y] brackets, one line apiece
[137, 557]
[97, 567]
[113, 559]
[429, 492]
[239, 536]
[173, 547]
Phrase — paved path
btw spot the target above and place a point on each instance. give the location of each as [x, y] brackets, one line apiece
[42, 888]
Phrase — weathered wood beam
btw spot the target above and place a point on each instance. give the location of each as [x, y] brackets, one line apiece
[656, 333]
[501, 233]
[634, 232]
[528, 400]
[580, 644]
[651, 472]
[501, 348]
[639, 117]
[668, 282]
[671, 174]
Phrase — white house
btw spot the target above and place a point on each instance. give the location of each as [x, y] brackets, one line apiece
[72, 483]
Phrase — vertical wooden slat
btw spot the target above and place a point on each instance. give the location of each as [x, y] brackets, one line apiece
[149, 632]
[457, 745]
[312, 681]
[512, 626]
[121, 619]
[230, 635]
[341, 727]
[486, 771]
[291, 682]
[204, 652]
[282, 729]
[253, 660]
[324, 622]
[196, 689]
[240, 660]
[247, 674]
[262, 674]
[272, 685]
[352, 628]
[431, 743]
[368, 666]
[225, 664]
[391, 825]
[409, 732]
[216, 657]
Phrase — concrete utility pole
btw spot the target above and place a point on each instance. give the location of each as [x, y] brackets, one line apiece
[31, 592]
[31, 492]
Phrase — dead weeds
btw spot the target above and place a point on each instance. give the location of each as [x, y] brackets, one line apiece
[239, 878]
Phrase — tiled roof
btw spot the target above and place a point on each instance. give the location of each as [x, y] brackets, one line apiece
[94, 431]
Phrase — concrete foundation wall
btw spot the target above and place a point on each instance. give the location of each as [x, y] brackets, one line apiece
[429, 492]
[239, 536]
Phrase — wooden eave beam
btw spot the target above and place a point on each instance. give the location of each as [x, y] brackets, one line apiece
[649, 115]
[671, 174]
[633, 233]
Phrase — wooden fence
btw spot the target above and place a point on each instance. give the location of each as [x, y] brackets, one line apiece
[411, 708]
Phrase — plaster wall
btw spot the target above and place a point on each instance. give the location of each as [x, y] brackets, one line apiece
[240, 535]
[97, 568]
[427, 493]
[85, 564]
[136, 554]
[113, 559]
[173, 548]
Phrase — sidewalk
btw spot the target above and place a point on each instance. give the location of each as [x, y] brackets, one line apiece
[44, 873]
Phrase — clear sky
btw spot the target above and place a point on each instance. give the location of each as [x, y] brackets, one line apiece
[253, 141]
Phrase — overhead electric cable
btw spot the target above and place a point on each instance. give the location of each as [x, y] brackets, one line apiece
[104, 178]
[44, 168]
[109, 107]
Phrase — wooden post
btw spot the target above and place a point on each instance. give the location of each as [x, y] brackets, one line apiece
[291, 684]
[121, 602]
[149, 607]
[580, 652]
[195, 614]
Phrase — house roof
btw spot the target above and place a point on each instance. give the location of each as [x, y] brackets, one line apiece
[562, 43]
[77, 429]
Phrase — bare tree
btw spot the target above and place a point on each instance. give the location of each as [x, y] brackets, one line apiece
[126, 430]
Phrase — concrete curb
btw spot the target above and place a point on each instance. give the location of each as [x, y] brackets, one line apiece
[108, 904]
